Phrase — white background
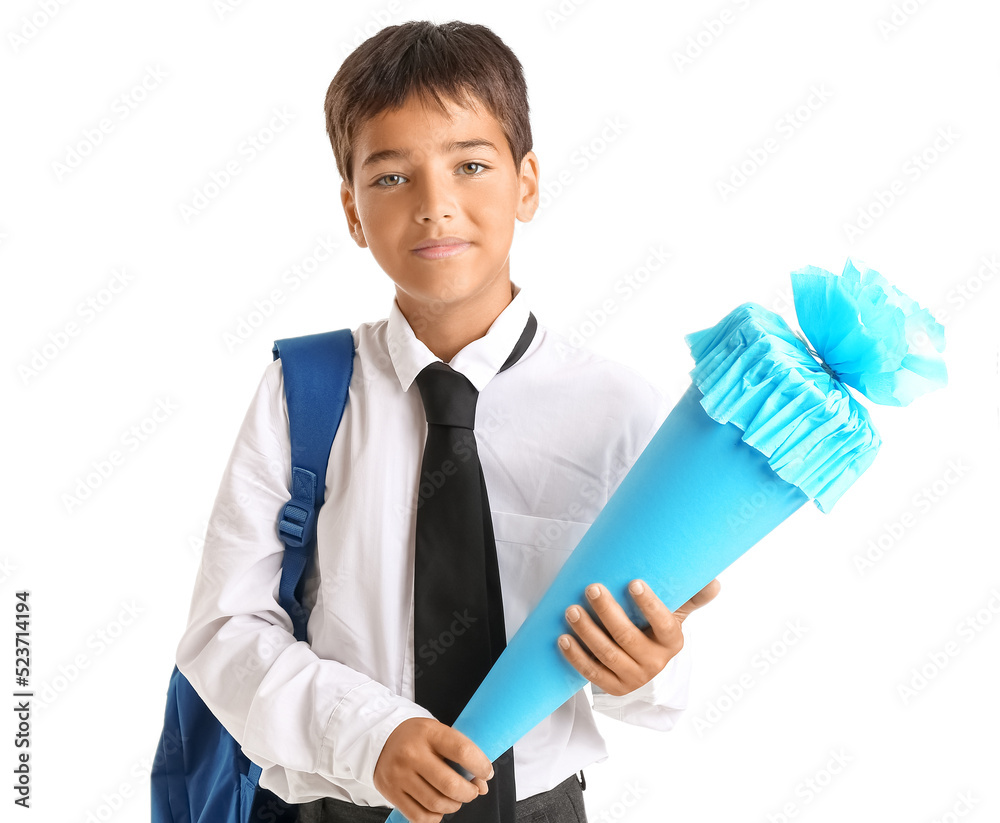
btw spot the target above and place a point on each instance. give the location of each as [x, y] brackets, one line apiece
[110, 576]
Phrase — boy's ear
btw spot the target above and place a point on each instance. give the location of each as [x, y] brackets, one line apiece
[528, 178]
[351, 211]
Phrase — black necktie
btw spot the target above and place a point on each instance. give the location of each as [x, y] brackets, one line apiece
[458, 607]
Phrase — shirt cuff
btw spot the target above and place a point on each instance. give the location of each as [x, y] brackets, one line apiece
[359, 727]
[656, 705]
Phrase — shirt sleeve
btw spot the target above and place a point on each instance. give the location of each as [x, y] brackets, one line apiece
[307, 721]
[660, 703]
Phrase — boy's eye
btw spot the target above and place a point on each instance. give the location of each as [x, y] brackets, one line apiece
[473, 163]
[384, 176]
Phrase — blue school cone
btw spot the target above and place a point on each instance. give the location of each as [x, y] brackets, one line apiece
[767, 424]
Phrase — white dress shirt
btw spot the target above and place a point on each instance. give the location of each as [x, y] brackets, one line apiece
[556, 433]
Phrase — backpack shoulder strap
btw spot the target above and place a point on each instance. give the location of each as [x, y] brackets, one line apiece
[316, 370]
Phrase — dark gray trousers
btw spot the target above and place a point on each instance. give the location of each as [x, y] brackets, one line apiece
[562, 804]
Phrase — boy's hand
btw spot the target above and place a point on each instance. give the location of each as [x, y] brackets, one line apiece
[626, 657]
[411, 772]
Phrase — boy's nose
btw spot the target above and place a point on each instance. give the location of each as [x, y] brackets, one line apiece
[437, 200]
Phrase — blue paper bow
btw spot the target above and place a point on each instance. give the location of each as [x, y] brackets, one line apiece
[868, 335]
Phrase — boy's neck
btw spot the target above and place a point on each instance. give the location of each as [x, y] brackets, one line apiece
[448, 328]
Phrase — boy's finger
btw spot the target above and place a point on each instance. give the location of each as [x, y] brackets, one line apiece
[706, 595]
[451, 783]
[461, 752]
[458, 767]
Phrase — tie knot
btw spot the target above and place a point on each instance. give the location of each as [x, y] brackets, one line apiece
[449, 397]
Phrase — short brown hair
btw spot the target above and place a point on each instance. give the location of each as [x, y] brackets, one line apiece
[461, 62]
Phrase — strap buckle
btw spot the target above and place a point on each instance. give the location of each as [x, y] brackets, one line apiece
[297, 523]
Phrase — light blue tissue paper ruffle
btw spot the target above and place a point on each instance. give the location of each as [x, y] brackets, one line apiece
[755, 373]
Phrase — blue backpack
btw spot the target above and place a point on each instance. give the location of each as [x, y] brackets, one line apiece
[200, 774]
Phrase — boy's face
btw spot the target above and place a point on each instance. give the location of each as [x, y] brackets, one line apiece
[425, 186]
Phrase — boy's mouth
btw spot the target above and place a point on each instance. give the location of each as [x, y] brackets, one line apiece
[437, 247]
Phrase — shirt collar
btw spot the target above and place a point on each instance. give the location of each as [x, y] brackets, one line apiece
[479, 360]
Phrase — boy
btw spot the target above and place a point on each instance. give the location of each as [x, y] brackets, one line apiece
[334, 722]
